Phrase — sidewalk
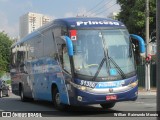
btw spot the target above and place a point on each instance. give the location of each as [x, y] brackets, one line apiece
[142, 91]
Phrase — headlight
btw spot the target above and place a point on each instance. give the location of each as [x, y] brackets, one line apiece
[134, 84]
[83, 88]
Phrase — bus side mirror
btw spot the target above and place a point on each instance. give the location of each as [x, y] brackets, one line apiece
[69, 44]
[140, 40]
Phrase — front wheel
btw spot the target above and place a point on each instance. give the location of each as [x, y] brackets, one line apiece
[23, 98]
[107, 105]
[56, 100]
[1, 94]
[7, 95]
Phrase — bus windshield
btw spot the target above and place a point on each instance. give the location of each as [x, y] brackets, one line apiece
[103, 52]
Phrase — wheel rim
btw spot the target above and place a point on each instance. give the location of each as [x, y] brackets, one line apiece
[32, 95]
[57, 98]
[21, 94]
[1, 93]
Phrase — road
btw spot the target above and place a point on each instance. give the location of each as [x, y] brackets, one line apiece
[145, 102]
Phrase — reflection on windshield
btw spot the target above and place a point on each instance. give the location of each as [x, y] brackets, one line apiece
[89, 51]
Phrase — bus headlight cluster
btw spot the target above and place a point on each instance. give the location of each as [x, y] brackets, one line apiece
[83, 88]
[134, 84]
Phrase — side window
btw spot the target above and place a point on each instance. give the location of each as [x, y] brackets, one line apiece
[38, 47]
[26, 49]
[30, 50]
[65, 59]
[61, 48]
[20, 55]
[49, 47]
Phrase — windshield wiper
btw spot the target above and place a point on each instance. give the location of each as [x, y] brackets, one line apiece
[99, 68]
[106, 58]
[118, 68]
[114, 63]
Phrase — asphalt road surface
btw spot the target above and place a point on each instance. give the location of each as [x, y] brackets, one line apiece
[145, 102]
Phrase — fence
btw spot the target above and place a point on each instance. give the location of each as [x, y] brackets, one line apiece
[141, 75]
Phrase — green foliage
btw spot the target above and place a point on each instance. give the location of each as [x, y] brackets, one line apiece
[132, 14]
[2, 73]
[8, 81]
[5, 44]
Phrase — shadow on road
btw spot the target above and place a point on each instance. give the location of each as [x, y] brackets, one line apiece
[75, 110]
[14, 104]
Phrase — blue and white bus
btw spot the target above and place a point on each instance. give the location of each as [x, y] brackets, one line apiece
[76, 61]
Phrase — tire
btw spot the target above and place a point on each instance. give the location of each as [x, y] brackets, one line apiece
[33, 98]
[56, 100]
[1, 94]
[107, 105]
[7, 95]
[23, 98]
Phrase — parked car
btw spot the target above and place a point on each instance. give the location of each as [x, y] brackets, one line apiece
[4, 89]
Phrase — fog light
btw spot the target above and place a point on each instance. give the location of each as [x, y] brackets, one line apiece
[136, 93]
[79, 98]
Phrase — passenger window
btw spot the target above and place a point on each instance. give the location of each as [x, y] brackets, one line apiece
[65, 61]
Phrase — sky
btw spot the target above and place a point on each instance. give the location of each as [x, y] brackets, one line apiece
[11, 10]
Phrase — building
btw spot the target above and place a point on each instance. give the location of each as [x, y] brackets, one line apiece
[113, 15]
[30, 22]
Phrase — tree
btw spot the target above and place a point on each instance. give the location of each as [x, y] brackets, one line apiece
[132, 14]
[5, 44]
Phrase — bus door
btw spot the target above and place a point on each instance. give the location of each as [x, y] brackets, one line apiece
[65, 72]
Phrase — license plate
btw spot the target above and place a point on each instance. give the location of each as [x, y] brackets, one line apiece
[111, 97]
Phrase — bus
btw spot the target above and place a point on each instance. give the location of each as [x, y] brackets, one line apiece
[76, 61]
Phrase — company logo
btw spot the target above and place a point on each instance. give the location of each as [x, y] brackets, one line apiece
[23, 114]
[110, 84]
[6, 114]
[110, 90]
[79, 23]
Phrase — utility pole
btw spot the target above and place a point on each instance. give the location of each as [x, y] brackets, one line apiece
[147, 66]
[158, 56]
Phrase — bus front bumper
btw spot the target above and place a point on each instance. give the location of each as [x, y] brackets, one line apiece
[84, 98]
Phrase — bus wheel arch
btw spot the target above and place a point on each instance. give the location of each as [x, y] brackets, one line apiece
[21, 93]
[20, 88]
[56, 97]
[108, 105]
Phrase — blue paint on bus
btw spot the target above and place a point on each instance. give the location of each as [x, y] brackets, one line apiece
[98, 68]
[69, 45]
[140, 41]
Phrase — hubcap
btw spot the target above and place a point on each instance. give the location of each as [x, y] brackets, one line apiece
[1, 93]
[21, 94]
[57, 98]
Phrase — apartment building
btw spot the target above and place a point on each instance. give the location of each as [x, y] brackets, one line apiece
[30, 22]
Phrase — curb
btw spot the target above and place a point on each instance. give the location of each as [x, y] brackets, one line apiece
[147, 93]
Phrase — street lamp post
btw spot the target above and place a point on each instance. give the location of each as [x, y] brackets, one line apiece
[147, 66]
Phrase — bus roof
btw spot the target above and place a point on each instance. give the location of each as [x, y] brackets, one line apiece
[87, 22]
[76, 23]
